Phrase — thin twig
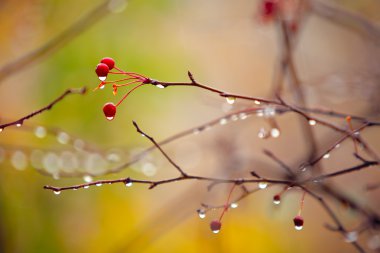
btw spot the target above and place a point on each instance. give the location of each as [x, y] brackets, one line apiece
[20, 121]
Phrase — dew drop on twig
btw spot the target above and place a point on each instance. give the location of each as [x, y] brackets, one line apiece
[275, 132]
[223, 121]
[102, 78]
[56, 192]
[201, 213]
[230, 100]
[262, 134]
[234, 205]
[351, 237]
[263, 185]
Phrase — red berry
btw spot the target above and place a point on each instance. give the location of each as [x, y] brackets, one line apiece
[109, 110]
[215, 226]
[277, 199]
[102, 70]
[269, 8]
[298, 222]
[109, 62]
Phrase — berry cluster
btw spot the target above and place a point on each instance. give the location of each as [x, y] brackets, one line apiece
[103, 69]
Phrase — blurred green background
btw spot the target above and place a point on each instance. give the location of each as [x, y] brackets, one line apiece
[224, 46]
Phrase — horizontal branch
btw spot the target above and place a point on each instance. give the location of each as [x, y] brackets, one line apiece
[20, 121]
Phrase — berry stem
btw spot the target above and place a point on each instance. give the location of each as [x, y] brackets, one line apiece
[302, 202]
[227, 205]
[126, 95]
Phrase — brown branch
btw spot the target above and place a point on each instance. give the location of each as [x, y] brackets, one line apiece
[347, 19]
[20, 121]
[159, 148]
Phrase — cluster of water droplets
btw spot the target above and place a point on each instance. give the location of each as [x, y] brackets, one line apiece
[73, 159]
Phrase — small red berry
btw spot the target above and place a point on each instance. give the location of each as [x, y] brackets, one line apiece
[277, 199]
[109, 110]
[215, 226]
[102, 70]
[268, 10]
[298, 222]
[109, 62]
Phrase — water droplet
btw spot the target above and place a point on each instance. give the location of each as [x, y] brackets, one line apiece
[114, 156]
[223, 121]
[57, 192]
[98, 184]
[160, 86]
[351, 237]
[128, 182]
[275, 132]
[110, 118]
[95, 164]
[326, 156]
[298, 227]
[243, 116]
[19, 160]
[230, 100]
[269, 112]
[260, 113]
[263, 185]
[102, 86]
[304, 168]
[18, 124]
[312, 122]
[149, 169]
[63, 138]
[102, 78]
[51, 163]
[234, 205]
[40, 132]
[262, 133]
[337, 145]
[1, 129]
[86, 187]
[87, 178]
[234, 117]
[36, 158]
[201, 213]
[276, 201]
[257, 102]
[79, 144]
[68, 162]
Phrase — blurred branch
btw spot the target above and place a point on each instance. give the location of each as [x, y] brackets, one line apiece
[347, 19]
[57, 42]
